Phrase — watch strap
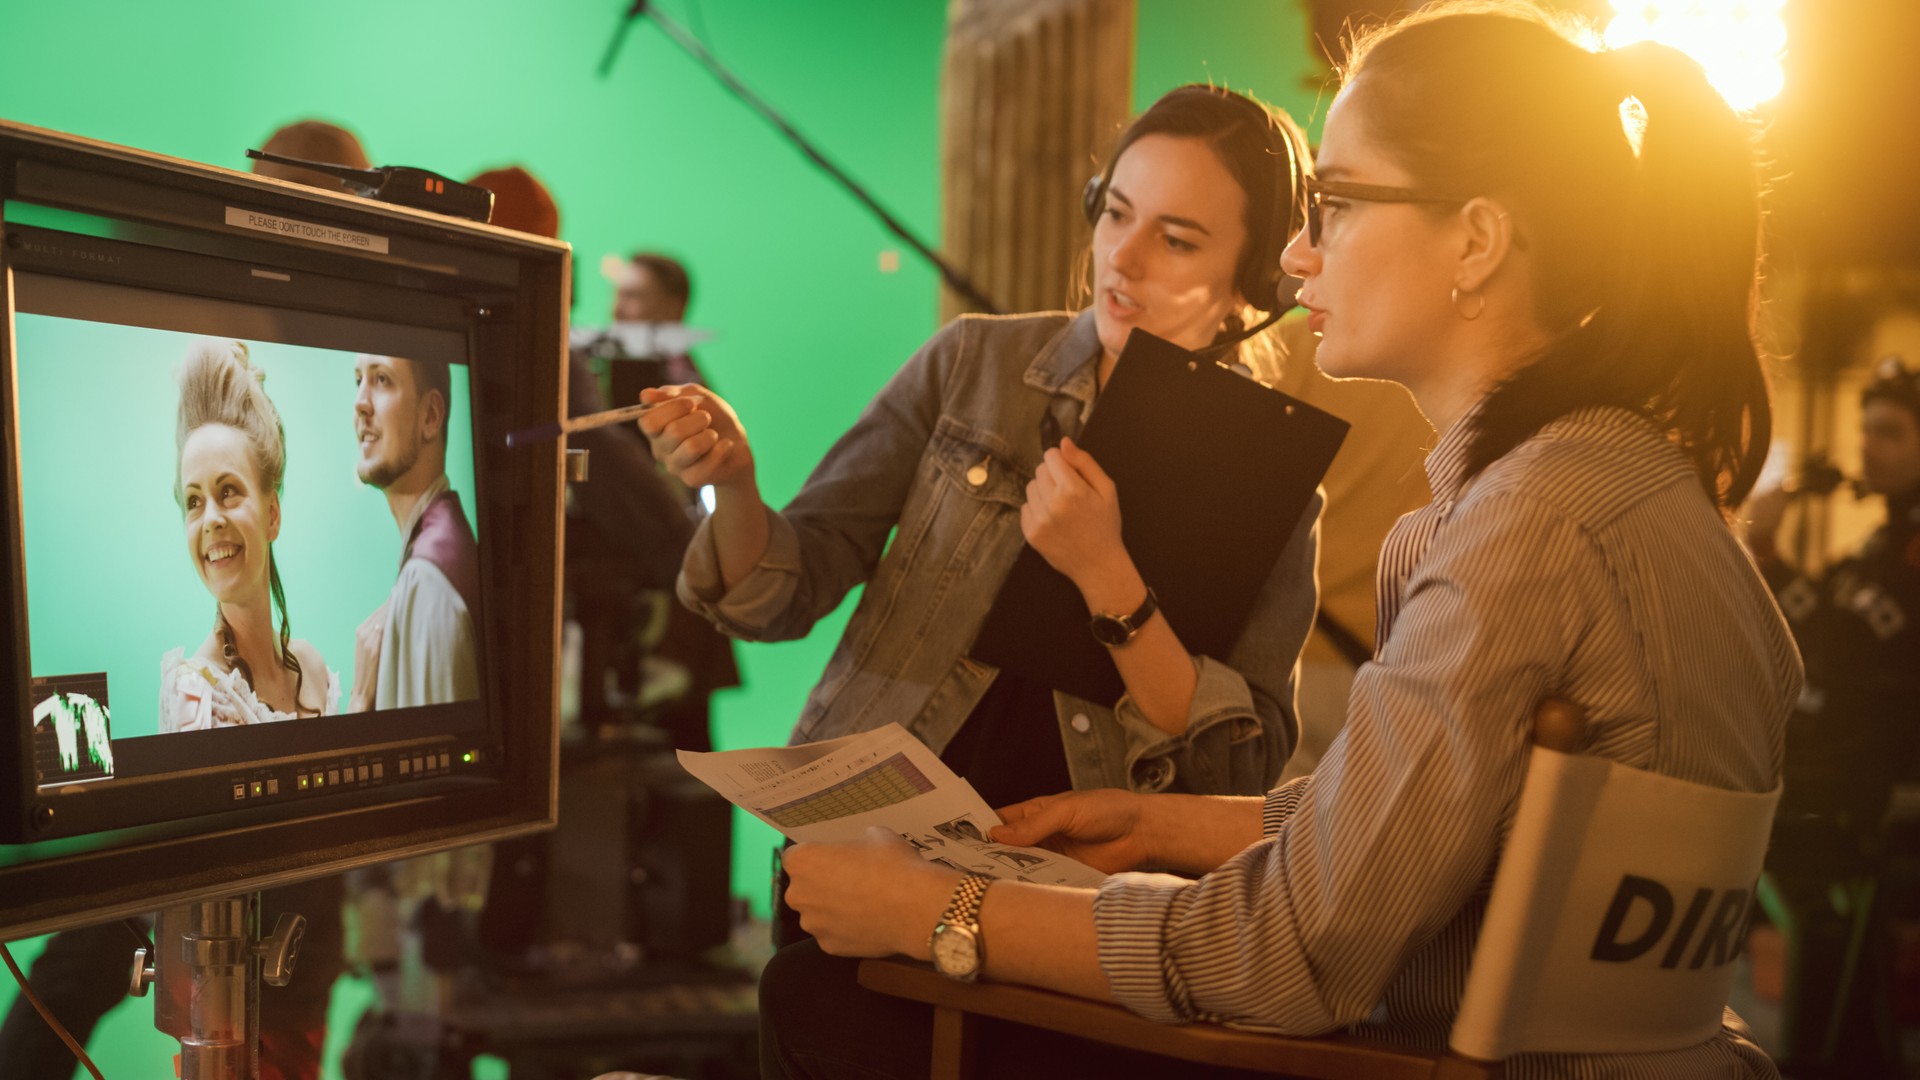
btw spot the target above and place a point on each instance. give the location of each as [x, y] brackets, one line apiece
[964, 908]
[1128, 626]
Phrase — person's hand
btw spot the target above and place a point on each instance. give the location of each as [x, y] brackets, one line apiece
[1763, 512]
[871, 897]
[1072, 515]
[696, 435]
[366, 660]
[1101, 827]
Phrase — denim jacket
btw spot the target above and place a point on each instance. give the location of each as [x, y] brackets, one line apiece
[975, 397]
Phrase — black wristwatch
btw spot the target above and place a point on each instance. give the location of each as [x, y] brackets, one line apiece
[1114, 631]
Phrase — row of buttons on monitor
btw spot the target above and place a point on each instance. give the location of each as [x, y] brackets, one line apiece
[320, 779]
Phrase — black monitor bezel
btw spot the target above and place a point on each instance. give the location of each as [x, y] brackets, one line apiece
[195, 768]
[507, 293]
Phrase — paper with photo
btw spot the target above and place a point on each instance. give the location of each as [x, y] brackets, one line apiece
[835, 790]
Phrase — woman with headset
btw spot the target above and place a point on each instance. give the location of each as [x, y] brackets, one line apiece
[969, 453]
[1568, 289]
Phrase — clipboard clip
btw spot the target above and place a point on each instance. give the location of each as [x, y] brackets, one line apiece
[1236, 367]
[1050, 433]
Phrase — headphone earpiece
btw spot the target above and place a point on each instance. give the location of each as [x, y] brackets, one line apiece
[1263, 284]
[1093, 198]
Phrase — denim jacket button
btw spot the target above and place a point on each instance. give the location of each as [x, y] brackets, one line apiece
[1080, 723]
[977, 475]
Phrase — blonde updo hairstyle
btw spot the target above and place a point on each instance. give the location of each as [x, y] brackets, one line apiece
[220, 385]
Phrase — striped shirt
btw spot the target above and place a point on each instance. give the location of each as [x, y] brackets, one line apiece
[1586, 563]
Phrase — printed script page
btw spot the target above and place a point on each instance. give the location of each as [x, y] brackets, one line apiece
[835, 790]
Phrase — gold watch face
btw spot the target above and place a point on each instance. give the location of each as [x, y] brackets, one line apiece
[955, 952]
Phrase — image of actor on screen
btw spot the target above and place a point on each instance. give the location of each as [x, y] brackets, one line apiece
[231, 457]
[421, 646]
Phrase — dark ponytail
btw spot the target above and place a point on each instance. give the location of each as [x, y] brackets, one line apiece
[1693, 285]
[1645, 264]
[231, 652]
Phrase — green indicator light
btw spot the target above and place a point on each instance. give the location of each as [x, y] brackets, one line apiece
[467, 757]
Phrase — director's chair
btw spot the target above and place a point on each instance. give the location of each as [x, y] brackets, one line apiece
[1615, 889]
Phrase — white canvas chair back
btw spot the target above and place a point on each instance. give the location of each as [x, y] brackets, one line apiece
[1620, 903]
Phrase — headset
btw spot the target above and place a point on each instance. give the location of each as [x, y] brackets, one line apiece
[1894, 381]
[1260, 280]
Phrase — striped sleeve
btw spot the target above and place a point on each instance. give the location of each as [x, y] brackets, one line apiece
[1131, 912]
[1281, 803]
[1382, 846]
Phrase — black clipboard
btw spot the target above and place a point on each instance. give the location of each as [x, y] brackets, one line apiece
[1213, 471]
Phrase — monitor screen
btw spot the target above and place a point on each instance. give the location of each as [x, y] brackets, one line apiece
[159, 553]
[281, 601]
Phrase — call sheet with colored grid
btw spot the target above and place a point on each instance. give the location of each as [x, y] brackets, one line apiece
[835, 790]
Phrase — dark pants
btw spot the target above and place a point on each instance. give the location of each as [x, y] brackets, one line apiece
[1810, 861]
[84, 973]
[80, 976]
[786, 921]
[818, 1023]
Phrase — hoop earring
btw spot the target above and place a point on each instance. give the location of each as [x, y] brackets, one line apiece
[227, 650]
[1454, 296]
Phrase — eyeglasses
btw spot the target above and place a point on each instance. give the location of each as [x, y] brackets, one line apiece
[1318, 189]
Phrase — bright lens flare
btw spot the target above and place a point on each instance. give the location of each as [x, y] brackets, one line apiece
[1738, 42]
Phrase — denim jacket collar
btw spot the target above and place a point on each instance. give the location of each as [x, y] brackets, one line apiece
[1068, 364]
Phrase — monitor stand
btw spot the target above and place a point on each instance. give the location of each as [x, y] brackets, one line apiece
[209, 964]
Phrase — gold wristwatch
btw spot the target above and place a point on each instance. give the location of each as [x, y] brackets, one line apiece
[958, 952]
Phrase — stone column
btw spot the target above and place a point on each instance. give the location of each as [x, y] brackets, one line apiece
[1032, 96]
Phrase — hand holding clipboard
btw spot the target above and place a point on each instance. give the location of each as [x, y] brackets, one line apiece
[1213, 472]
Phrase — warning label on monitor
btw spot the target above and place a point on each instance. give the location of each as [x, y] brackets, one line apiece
[305, 230]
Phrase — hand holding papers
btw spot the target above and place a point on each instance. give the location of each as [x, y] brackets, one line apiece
[834, 790]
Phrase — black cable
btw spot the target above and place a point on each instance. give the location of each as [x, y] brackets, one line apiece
[40, 1007]
[696, 15]
[1344, 641]
[955, 280]
[139, 934]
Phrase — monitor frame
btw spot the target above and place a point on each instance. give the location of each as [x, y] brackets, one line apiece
[223, 235]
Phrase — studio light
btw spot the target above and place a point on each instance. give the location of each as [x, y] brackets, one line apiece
[1739, 42]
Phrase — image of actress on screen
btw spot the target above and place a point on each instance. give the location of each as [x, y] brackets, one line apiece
[231, 458]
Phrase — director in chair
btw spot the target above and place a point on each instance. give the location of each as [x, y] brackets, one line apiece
[1566, 288]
